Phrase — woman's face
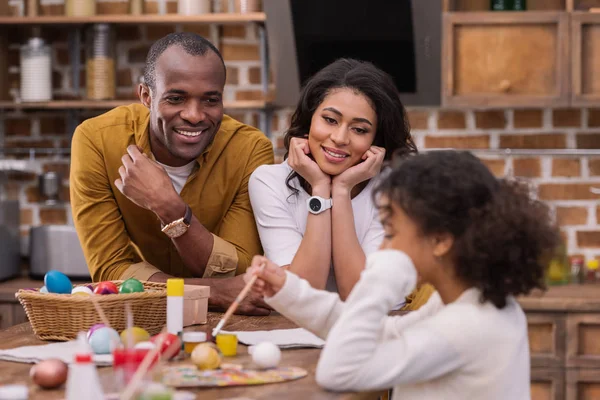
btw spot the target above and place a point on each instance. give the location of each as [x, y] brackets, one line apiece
[342, 129]
[402, 233]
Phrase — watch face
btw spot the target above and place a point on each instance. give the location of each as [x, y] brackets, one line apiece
[176, 230]
[314, 205]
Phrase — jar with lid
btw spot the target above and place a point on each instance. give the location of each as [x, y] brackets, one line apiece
[100, 65]
[80, 8]
[36, 71]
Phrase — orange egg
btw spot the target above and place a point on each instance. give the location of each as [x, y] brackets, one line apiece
[49, 374]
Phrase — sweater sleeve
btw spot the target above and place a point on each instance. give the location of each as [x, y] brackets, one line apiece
[356, 358]
[313, 309]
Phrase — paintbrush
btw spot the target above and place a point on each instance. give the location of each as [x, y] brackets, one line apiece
[236, 303]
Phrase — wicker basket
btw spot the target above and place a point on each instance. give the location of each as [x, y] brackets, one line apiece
[60, 317]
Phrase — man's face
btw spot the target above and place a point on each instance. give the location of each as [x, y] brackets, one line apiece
[186, 105]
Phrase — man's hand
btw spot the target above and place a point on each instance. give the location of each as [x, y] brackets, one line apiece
[224, 291]
[146, 183]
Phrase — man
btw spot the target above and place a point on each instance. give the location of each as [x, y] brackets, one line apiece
[160, 189]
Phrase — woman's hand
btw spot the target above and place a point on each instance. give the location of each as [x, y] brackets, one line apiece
[305, 166]
[271, 277]
[367, 169]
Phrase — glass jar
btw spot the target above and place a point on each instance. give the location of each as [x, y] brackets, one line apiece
[193, 7]
[80, 8]
[36, 71]
[100, 65]
[559, 270]
[136, 7]
[247, 6]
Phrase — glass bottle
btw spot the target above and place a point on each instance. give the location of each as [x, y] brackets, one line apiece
[36, 71]
[100, 66]
[577, 269]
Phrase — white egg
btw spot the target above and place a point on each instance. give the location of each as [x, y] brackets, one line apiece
[266, 355]
[43, 289]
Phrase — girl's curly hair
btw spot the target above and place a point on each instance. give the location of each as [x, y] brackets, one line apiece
[503, 236]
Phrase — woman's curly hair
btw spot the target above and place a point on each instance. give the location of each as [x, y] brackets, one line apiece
[503, 237]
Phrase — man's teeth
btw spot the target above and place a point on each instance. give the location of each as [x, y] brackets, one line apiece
[336, 155]
[190, 134]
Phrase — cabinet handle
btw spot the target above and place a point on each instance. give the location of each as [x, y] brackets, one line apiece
[504, 85]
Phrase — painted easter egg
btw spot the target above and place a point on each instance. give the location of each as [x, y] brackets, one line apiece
[106, 287]
[103, 340]
[82, 291]
[49, 374]
[169, 339]
[136, 334]
[206, 357]
[93, 329]
[57, 282]
[131, 285]
[43, 289]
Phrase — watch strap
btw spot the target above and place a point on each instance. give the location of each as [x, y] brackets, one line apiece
[187, 218]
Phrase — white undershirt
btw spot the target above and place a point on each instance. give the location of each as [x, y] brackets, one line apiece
[179, 175]
[462, 350]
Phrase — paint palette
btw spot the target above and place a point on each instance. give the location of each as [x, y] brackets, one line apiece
[190, 376]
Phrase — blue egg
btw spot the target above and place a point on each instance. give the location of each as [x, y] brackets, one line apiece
[103, 340]
[57, 282]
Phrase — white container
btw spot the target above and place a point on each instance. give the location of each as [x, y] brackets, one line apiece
[82, 380]
[193, 7]
[175, 305]
[36, 71]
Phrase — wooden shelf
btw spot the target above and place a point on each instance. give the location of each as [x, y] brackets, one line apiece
[214, 18]
[108, 104]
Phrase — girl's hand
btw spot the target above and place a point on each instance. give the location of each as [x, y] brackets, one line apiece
[306, 167]
[369, 168]
[271, 277]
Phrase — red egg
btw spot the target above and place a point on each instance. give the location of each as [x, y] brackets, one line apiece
[106, 287]
[169, 339]
[49, 374]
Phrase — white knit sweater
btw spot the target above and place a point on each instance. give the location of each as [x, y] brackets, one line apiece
[461, 350]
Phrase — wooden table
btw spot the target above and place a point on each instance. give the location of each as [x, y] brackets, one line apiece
[305, 388]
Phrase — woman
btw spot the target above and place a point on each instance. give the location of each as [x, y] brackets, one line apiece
[314, 211]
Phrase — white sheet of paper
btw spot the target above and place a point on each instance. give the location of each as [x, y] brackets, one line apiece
[64, 351]
[284, 338]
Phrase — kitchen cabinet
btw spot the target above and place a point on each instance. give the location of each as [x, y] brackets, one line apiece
[547, 56]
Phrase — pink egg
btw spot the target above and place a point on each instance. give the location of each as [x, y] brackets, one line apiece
[93, 328]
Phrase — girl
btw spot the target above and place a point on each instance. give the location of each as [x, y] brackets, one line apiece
[479, 241]
[314, 211]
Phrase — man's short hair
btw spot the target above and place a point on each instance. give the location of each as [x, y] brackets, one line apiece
[192, 43]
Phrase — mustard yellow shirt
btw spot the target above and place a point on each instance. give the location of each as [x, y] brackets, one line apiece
[122, 240]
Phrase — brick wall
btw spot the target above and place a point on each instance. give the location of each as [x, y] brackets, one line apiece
[563, 181]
